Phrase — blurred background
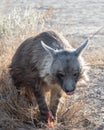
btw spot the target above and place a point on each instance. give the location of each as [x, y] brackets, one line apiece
[80, 17]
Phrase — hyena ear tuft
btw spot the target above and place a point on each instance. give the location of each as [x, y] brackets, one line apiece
[48, 49]
[81, 48]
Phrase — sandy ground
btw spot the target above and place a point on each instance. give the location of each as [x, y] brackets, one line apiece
[77, 19]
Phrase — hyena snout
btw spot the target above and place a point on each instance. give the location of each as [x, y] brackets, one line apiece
[69, 87]
[69, 90]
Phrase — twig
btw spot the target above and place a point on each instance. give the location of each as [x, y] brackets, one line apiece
[90, 37]
[74, 106]
[32, 119]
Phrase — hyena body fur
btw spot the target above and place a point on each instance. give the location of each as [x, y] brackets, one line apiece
[47, 62]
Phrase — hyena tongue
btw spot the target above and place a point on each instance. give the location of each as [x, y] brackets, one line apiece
[70, 93]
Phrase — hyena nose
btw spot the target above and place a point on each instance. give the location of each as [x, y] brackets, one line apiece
[70, 90]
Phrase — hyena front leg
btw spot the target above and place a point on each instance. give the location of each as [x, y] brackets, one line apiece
[55, 99]
[40, 97]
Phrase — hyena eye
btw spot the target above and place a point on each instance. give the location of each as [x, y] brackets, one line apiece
[60, 75]
[76, 74]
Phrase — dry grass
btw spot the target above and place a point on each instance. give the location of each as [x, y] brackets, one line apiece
[96, 58]
[15, 111]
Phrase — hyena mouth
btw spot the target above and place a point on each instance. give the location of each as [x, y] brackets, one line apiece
[70, 93]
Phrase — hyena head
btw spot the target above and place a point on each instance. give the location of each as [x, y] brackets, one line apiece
[66, 68]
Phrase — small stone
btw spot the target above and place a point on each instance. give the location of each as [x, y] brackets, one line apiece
[98, 92]
[86, 123]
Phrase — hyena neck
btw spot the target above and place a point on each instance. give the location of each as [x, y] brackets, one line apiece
[45, 69]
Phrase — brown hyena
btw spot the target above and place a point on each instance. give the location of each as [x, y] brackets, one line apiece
[47, 62]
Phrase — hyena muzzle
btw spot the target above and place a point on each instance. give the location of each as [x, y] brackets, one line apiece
[47, 62]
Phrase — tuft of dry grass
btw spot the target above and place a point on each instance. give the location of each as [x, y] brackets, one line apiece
[16, 111]
[96, 58]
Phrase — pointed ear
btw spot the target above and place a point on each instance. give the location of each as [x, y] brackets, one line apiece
[80, 49]
[50, 50]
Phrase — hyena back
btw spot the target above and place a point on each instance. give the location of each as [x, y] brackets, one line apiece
[47, 61]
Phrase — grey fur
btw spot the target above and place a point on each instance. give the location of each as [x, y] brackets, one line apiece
[80, 49]
[47, 62]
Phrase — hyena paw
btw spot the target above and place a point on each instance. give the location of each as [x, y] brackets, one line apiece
[50, 119]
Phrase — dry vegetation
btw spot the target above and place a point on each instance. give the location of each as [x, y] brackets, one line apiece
[15, 111]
